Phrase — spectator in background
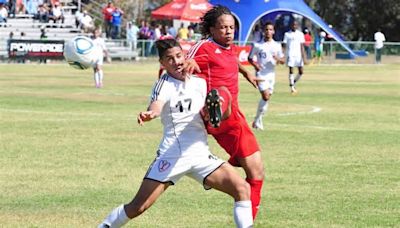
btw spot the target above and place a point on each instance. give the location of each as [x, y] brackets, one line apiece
[307, 43]
[3, 14]
[43, 14]
[57, 13]
[31, 6]
[43, 36]
[191, 32]
[157, 32]
[183, 32]
[11, 7]
[144, 34]
[172, 31]
[257, 34]
[107, 15]
[116, 23]
[379, 38]
[19, 7]
[132, 31]
[86, 22]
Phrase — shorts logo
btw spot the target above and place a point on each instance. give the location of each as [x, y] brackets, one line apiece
[163, 165]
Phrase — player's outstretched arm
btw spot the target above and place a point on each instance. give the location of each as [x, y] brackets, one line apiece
[153, 111]
[249, 76]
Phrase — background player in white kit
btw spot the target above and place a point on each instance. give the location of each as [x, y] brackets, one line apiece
[98, 66]
[293, 43]
[269, 53]
[178, 99]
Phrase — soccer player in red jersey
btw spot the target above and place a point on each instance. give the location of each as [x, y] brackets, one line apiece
[217, 58]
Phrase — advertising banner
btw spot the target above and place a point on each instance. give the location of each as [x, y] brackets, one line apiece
[35, 49]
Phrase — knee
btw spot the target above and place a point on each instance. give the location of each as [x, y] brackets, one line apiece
[242, 191]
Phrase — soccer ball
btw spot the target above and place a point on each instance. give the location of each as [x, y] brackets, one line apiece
[81, 53]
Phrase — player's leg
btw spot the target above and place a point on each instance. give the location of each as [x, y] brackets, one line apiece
[96, 76]
[261, 109]
[218, 105]
[298, 76]
[100, 72]
[291, 80]
[148, 193]
[227, 180]
[254, 169]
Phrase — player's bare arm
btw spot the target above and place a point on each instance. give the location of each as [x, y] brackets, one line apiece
[279, 60]
[249, 76]
[153, 111]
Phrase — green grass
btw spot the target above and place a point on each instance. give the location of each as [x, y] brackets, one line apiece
[69, 153]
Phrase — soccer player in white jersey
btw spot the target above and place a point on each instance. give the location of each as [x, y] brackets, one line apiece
[98, 65]
[183, 150]
[293, 43]
[269, 53]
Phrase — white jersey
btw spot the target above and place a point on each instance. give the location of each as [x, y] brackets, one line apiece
[184, 130]
[379, 39]
[101, 45]
[265, 53]
[184, 148]
[293, 41]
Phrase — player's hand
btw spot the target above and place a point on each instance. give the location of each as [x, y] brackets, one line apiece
[145, 117]
[108, 59]
[252, 79]
[191, 67]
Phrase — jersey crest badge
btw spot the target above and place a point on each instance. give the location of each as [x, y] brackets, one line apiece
[217, 51]
[163, 165]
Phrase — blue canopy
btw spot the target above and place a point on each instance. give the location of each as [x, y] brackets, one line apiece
[248, 12]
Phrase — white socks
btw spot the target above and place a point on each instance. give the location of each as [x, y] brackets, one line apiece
[291, 80]
[98, 78]
[116, 218]
[243, 215]
[262, 109]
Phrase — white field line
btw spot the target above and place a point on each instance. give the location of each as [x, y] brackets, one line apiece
[314, 109]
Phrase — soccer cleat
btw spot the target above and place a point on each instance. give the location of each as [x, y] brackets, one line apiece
[293, 90]
[214, 108]
[258, 125]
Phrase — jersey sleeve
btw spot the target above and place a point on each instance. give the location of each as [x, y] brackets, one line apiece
[301, 38]
[160, 91]
[200, 55]
[285, 38]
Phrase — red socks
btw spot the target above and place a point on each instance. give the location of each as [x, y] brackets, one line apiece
[255, 196]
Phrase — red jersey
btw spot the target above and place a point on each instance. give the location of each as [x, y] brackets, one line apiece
[218, 65]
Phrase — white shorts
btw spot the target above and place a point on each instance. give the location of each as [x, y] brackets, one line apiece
[99, 61]
[295, 61]
[166, 168]
[268, 83]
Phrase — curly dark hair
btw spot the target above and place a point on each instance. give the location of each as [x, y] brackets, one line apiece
[210, 19]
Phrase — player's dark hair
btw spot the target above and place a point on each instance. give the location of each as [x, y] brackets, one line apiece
[210, 19]
[164, 45]
[268, 23]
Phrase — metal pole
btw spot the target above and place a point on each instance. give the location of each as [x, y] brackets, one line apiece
[79, 6]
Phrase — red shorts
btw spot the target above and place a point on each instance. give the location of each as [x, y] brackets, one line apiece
[235, 136]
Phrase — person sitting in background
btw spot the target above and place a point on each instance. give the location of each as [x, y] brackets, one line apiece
[43, 14]
[57, 13]
[86, 22]
[3, 13]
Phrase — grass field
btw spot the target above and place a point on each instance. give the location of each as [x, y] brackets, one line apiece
[70, 153]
